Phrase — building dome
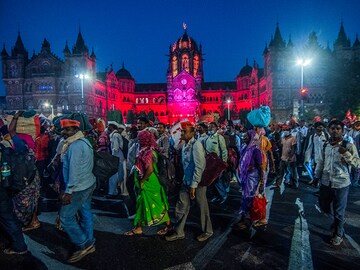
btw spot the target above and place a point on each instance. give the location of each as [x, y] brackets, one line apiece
[185, 42]
[245, 71]
[123, 73]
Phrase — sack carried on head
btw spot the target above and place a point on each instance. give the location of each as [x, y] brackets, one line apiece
[260, 117]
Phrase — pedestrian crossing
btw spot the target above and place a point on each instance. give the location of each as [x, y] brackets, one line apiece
[297, 228]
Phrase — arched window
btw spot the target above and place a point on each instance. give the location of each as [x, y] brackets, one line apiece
[196, 64]
[174, 66]
[185, 62]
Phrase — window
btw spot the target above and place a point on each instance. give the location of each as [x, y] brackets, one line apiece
[185, 62]
[196, 64]
[174, 66]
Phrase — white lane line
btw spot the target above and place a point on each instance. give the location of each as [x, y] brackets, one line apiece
[353, 243]
[269, 191]
[204, 256]
[246, 254]
[317, 208]
[187, 266]
[300, 253]
[39, 251]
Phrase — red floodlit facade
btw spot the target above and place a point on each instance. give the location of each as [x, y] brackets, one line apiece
[45, 78]
[30, 83]
[185, 94]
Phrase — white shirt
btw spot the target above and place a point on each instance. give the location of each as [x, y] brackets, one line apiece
[315, 147]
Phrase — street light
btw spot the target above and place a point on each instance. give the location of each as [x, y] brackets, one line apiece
[47, 105]
[82, 77]
[302, 63]
[228, 103]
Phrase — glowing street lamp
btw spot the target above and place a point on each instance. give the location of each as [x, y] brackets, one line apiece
[302, 63]
[228, 103]
[82, 77]
[47, 105]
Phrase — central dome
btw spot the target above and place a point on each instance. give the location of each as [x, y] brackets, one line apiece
[185, 42]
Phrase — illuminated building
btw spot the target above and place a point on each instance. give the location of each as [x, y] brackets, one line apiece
[45, 78]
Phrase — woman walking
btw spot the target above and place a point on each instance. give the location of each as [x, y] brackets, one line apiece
[151, 203]
[251, 176]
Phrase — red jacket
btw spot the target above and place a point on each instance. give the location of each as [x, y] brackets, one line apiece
[41, 147]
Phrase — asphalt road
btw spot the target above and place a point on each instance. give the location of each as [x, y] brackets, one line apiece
[297, 237]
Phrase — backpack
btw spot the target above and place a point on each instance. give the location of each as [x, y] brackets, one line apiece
[165, 170]
[125, 148]
[23, 169]
[233, 154]
[105, 164]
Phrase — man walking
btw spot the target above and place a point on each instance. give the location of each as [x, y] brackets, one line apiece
[215, 143]
[193, 159]
[334, 172]
[117, 145]
[78, 161]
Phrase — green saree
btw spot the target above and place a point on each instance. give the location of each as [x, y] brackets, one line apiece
[151, 204]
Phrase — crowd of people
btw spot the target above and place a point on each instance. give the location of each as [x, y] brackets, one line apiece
[327, 154]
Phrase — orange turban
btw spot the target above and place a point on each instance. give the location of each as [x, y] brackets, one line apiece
[100, 125]
[69, 123]
[186, 124]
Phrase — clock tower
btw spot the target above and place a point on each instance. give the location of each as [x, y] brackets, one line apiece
[184, 78]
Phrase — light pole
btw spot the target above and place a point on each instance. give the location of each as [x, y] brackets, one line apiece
[228, 103]
[47, 105]
[82, 77]
[302, 62]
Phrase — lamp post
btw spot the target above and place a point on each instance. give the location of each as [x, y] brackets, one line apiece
[82, 77]
[228, 103]
[302, 62]
[47, 105]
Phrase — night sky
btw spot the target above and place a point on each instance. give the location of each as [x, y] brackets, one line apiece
[139, 32]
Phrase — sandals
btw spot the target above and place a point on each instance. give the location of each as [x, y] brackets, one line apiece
[242, 225]
[31, 227]
[260, 223]
[164, 230]
[133, 232]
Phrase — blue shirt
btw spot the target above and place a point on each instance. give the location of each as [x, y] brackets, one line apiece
[78, 163]
[193, 160]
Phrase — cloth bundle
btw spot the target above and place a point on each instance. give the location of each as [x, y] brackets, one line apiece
[260, 117]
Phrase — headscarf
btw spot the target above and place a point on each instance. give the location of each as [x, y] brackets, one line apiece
[247, 154]
[145, 157]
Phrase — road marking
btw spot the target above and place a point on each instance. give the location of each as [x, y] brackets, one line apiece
[282, 187]
[300, 253]
[204, 256]
[317, 208]
[246, 254]
[40, 251]
[352, 242]
[187, 266]
[269, 191]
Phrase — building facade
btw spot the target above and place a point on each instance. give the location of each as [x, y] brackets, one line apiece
[74, 84]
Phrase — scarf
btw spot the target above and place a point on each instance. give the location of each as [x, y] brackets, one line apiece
[248, 154]
[147, 146]
[78, 135]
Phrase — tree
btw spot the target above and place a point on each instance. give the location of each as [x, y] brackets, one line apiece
[344, 86]
[142, 114]
[151, 116]
[130, 118]
[115, 115]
